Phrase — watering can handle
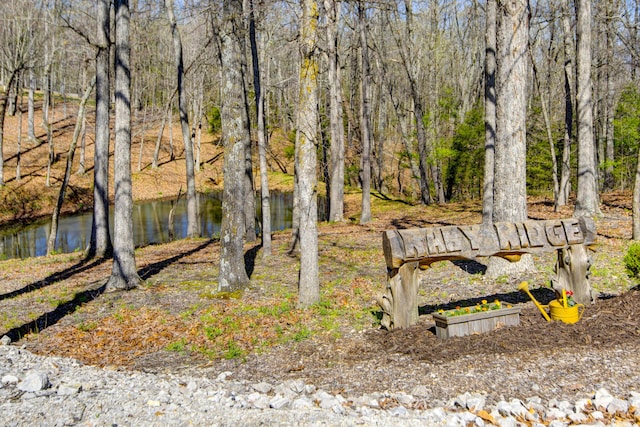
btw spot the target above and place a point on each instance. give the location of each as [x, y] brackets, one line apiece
[580, 310]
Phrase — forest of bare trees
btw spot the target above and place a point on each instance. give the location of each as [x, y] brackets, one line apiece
[385, 96]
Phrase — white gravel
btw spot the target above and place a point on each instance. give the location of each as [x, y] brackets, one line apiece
[53, 391]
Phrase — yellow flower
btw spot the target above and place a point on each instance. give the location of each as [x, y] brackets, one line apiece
[484, 301]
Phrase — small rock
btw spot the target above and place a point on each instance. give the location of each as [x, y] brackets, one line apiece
[506, 421]
[329, 402]
[5, 340]
[597, 415]
[601, 399]
[65, 389]
[258, 400]
[224, 375]
[262, 387]
[279, 402]
[582, 405]
[618, 406]
[34, 381]
[338, 409]
[9, 379]
[554, 414]
[578, 417]
[435, 416]
[420, 391]
[399, 411]
[302, 403]
[405, 399]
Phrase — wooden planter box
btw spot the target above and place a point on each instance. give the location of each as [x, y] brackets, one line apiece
[476, 323]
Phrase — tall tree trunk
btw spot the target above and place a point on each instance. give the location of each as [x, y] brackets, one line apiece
[489, 112]
[124, 274]
[636, 202]
[510, 184]
[547, 123]
[52, 153]
[19, 147]
[53, 233]
[100, 243]
[156, 151]
[365, 116]
[418, 110]
[609, 97]
[265, 202]
[587, 197]
[235, 133]
[309, 282]
[569, 55]
[31, 107]
[336, 124]
[192, 207]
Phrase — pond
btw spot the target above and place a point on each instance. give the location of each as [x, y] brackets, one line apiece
[150, 225]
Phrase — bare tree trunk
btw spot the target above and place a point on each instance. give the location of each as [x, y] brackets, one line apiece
[609, 97]
[262, 137]
[489, 113]
[569, 55]
[171, 153]
[587, 197]
[547, 123]
[142, 130]
[31, 108]
[100, 244]
[156, 151]
[336, 170]
[418, 111]
[19, 147]
[53, 233]
[83, 146]
[235, 133]
[52, 153]
[636, 202]
[365, 116]
[124, 275]
[192, 207]
[510, 189]
[309, 282]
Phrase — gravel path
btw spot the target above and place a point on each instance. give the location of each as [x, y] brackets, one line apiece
[53, 391]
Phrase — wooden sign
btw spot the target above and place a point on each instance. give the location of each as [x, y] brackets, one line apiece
[428, 245]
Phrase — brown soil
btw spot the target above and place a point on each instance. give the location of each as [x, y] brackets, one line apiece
[165, 325]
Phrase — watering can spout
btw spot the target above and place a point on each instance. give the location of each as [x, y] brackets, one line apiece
[524, 287]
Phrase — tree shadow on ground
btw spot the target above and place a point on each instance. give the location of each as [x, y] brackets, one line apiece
[52, 317]
[542, 295]
[96, 289]
[250, 259]
[157, 267]
[55, 277]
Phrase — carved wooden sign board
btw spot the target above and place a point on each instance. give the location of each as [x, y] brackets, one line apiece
[427, 245]
[406, 250]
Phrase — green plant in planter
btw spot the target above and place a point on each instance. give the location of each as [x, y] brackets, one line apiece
[632, 260]
[478, 308]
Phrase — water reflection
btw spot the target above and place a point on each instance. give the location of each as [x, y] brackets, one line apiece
[150, 225]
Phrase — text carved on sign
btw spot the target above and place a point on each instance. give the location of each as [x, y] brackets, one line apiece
[469, 241]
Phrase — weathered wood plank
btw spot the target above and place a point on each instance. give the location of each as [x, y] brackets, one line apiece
[427, 245]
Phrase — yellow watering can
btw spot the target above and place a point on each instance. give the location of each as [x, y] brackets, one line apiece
[557, 309]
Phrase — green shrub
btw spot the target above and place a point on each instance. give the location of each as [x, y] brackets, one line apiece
[215, 119]
[632, 260]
